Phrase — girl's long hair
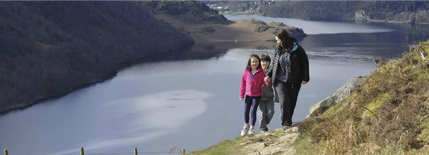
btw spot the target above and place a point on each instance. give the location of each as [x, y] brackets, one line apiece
[250, 59]
[286, 41]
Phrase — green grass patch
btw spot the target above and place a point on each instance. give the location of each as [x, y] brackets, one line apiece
[333, 110]
[422, 75]
[424, 43]
[425, 132]
[225, 12]
[375, 104]
[224, 147]
[232, 12]
[278, 133]
[303, 145]
[339, 106]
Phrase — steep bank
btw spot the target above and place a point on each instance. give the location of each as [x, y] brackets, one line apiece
[387, 113]
[51, 48]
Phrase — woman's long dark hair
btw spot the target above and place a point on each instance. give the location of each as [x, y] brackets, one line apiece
[285, 38]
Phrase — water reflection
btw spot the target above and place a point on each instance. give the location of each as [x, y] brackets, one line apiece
[142, 119]
[207, 50]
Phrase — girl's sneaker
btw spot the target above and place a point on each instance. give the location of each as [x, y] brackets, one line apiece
[251, 131]
[244, 131]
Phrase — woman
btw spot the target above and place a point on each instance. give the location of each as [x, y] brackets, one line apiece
[290, 70]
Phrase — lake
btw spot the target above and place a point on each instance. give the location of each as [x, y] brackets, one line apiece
[189, 99]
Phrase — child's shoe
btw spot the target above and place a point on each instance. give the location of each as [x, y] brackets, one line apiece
[244, 131]
[251, 130]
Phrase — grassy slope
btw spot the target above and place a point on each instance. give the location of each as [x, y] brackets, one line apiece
[387, 114]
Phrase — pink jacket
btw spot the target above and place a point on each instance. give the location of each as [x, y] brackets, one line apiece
[251, 85]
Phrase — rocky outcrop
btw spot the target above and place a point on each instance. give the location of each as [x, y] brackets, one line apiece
[276, 27]
[273, 142]
[360, 15]
[421, 16]
[341, 94]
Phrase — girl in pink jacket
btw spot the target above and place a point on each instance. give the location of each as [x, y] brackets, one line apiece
[251, 85]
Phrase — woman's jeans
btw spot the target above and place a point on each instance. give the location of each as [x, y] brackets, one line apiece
[288, 95]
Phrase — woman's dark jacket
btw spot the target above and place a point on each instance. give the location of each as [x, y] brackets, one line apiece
[298, 65]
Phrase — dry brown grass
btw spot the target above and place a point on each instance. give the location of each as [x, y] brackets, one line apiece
[384, 115]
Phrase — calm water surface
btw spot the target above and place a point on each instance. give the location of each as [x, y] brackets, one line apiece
[190, 100]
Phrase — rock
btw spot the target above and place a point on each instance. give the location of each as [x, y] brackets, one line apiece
[341, 94]
[254, 153]
[253, 147]
[289, 138]
[267, 134]
[292, 130]
[298, 33]
[261, 27]
[360, 15]
[273, 142]
[291, 150]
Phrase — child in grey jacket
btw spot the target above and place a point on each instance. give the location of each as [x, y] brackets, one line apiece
[266, 105]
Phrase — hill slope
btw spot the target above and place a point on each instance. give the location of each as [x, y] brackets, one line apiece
[51, 48]
[388, 113]
[192, 12]
[391, 11]
[205, 25]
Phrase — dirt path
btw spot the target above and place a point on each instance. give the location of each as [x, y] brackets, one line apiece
[277, 142]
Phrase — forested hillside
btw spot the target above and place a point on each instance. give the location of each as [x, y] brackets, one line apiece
[50, 48]
[237, 7]
[395, 11]
[391, 11]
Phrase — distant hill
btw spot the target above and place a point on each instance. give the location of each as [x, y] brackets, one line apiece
[389, 11]
[50, 48]
[191, 12]
[203, 24]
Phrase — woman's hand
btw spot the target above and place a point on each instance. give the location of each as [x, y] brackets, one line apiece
[304, 82]
[241, 99]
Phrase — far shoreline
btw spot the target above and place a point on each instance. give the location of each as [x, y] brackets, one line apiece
[367, 21]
